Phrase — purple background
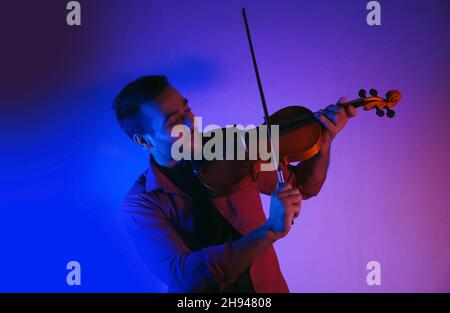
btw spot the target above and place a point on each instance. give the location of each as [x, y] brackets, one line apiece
[65, 164]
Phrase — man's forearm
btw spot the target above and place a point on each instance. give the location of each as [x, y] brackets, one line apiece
[246, 249]
[311, 174]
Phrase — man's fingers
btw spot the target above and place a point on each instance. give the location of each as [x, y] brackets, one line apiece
[336, 114]
[341, 101]
[297, 210]
[351, 111]
[281, 187]
[325, 121]
[340, 110]
[292, 199]
[334, 108]
[332, 116]
[288, 193]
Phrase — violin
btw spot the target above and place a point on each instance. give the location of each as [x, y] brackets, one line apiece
[300, 138]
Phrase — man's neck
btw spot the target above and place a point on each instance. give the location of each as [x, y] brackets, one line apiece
[169, 163]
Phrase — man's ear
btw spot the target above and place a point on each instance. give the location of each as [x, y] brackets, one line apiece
[143, 141]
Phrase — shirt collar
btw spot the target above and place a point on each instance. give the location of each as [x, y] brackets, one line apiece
[156, 180]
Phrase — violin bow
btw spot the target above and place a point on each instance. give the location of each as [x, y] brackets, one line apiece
[263, 98]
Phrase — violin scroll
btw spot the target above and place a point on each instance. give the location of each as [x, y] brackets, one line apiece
[375, 102]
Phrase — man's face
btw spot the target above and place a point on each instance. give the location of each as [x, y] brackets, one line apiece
[168, 110]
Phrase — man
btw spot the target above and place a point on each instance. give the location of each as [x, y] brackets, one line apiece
[195, 242]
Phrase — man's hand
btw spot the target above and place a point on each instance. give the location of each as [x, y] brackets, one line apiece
[334, 118]
[285, 205]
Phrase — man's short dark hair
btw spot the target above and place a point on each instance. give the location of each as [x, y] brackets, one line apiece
[127, 104]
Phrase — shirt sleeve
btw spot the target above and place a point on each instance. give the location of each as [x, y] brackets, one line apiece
[166, 255]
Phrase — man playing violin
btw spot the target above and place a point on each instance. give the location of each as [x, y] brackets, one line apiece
[190, 240]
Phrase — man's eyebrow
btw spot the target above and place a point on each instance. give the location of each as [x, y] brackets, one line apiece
[168, 116]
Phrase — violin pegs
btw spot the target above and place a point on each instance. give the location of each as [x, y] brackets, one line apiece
[390, 113]
[380, 112]
[362, 93]
[373, 92]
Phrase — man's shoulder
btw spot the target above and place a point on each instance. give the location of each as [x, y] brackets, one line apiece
[138, 186]
[138, 197]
